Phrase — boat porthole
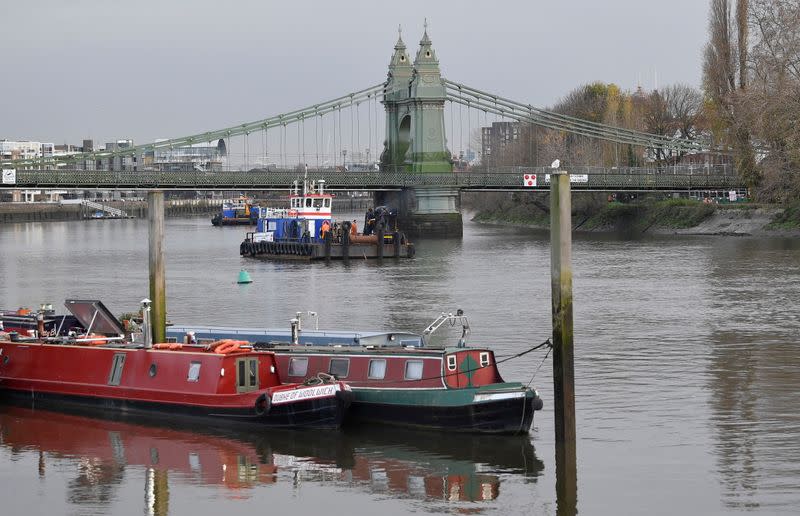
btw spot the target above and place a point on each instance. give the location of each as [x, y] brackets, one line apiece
[6, 359]
[152, 371]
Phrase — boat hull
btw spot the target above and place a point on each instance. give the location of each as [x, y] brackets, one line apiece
[316, 251]
[495, 411]
[324, 413]
[240, 221]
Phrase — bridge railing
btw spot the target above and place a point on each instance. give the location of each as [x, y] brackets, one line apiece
[589, 178]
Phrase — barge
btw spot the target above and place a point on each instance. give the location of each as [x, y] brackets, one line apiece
[222, 382]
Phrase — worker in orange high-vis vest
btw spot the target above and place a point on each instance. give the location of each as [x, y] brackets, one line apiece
[353, 228]
[326, 226]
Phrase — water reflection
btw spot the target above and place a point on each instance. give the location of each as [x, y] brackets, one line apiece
[101, 453]
[753, 369]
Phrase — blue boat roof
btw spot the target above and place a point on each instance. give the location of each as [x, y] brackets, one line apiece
[307, 337]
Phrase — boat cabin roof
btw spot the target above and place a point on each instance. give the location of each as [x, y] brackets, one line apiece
[306, 338]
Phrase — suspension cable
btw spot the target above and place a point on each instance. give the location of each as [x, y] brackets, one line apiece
[369, 130]
[572, 124]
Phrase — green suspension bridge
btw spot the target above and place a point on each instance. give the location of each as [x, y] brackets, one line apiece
[416, 158]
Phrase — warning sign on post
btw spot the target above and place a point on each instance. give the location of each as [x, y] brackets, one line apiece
[529, 180]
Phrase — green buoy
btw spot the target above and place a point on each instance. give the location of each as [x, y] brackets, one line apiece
[244, 277]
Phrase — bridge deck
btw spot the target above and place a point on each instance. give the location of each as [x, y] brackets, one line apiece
[509, 178]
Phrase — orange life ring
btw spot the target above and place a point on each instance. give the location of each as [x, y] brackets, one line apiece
[223, 347]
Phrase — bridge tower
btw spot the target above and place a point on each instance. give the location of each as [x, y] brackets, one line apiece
[414, 97]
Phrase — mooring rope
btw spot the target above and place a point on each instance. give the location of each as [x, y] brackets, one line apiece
[540, 363]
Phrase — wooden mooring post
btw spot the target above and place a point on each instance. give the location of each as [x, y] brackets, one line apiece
[155, 216]
[563, 365]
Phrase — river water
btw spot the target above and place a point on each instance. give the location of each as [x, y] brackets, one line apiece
[687, 374]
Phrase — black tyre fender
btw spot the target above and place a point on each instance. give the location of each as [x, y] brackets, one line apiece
[263, 404]
[242, 248]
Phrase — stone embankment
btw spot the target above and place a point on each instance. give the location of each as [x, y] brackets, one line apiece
[54, 211]
[670, 217]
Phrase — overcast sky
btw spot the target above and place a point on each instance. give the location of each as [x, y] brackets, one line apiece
[142, 69]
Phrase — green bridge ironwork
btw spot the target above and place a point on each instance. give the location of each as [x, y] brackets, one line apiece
[679, 178]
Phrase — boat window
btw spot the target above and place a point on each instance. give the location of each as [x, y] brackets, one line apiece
[172, 339]
[242, 376]
[308, 202]
[194, 372]
[339, 367]
[327, 203]
[318, 203]
[413, 369]
[411, 342]
[253, 370]
[377, 369]
[152, 370]
[484, 359]
[298, 366]
[451, 363]
[116, 369]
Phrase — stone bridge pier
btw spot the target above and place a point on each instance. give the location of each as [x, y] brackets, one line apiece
[414, 98]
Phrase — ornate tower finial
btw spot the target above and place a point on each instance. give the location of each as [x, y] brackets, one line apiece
[399, 31]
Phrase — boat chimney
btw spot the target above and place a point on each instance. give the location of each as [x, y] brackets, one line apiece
[321, 186]
[40, 324]
[147, 332]
[295, 322]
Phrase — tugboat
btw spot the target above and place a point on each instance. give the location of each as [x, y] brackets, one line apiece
[306, 230]
[399, 378]
[223, 382]
[236, 212]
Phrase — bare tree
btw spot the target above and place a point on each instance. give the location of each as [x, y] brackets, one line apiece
[773, 98]
[725, 61]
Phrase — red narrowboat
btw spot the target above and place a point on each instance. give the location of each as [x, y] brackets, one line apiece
[224, 381]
